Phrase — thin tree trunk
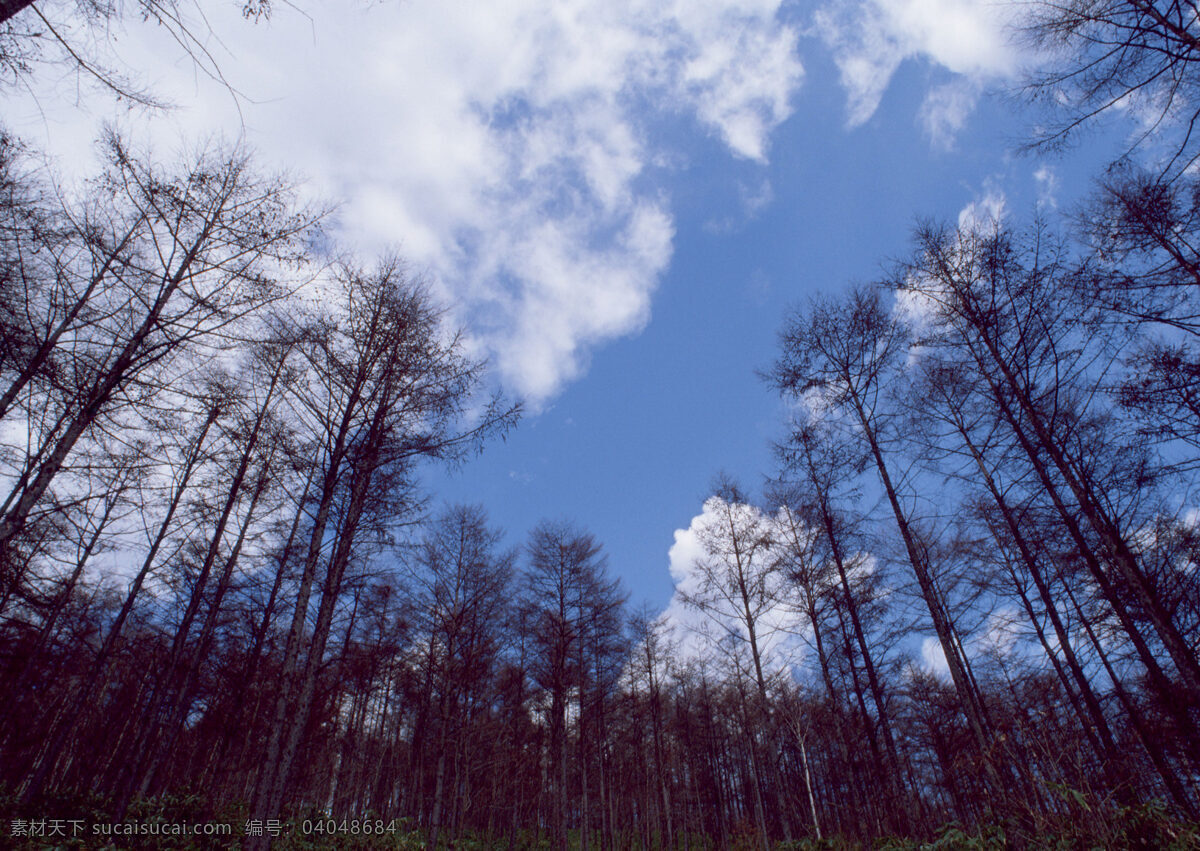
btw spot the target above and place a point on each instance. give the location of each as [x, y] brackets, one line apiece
[933, 600]
[46, 348]
[34, 784]
[102, 390]
[1118, 550]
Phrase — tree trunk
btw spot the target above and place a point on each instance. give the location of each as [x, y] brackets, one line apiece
[100, 665]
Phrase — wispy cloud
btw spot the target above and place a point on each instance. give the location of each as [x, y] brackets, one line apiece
[870, 38]
[945, 111]
[1047, 187]
[752, 200]
[986, 212]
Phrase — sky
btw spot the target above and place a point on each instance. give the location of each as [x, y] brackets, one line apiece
[619, 200]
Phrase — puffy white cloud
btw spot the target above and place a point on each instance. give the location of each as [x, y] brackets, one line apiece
[501, 146]
[686, 625]
[706, 634]
[870, 38]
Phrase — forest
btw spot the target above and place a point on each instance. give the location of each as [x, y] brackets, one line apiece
[227, 597]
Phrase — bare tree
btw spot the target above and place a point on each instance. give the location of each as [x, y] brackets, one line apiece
[822, 474]
[1099, 55]
[386, 388]
[461, 584]
[180, 261]
[32, 35]
[1141, 237]
[190, 459]
[566, 594]
[739, 586]
[840, 354]
[1002, 312]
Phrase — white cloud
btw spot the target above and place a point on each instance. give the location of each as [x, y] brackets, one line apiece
[985, 213]
[945, 111]
[684, 623]
[705, 634]
[919, 304]
[816, 404]
[1047, 187]
[865, 53]
[870, 38]
[933, 658]
[752, 200]
[684, 553]
[1001, 634]
[501, 146]
[915, 307]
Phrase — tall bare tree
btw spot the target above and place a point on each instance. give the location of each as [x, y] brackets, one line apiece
[841, 354]
[174, 269]
[386, 389]
[1100, 56]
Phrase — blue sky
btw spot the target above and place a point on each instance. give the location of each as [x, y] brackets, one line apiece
[620, 200]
